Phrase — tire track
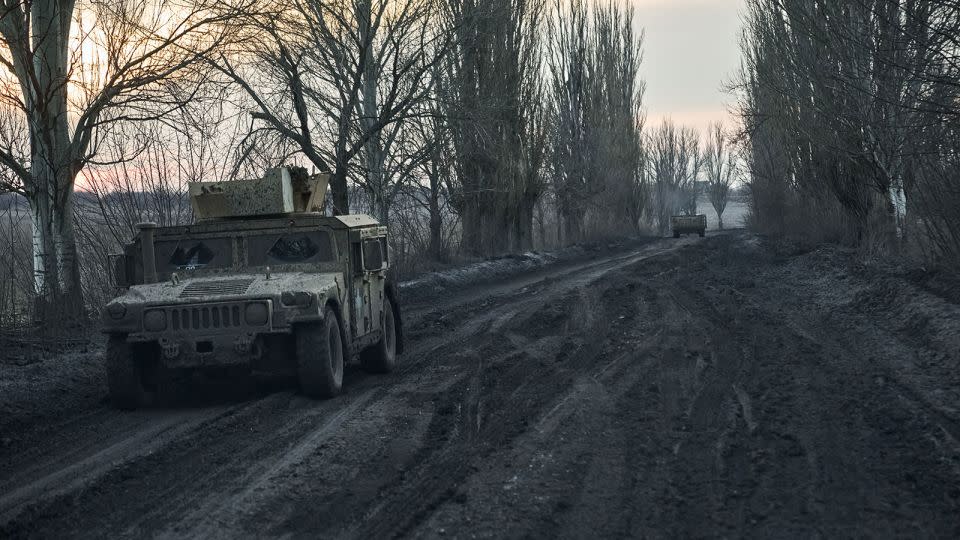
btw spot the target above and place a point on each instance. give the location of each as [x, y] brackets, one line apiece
[205, 473]
[72, 470]
[217, 517]
[508, 371]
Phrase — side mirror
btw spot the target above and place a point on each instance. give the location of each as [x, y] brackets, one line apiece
[373, 260]
[118, 269]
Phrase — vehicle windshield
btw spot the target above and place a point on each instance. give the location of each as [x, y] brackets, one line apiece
[291, 247]
[193, 254]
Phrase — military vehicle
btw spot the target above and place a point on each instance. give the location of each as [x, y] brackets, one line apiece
[263, 280]
[688, 225]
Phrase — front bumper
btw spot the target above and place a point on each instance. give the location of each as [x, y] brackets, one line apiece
[210, 334]
[214, 350]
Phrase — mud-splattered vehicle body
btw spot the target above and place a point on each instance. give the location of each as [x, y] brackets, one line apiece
[298, 293]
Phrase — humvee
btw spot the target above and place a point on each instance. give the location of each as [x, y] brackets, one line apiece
[262, 281]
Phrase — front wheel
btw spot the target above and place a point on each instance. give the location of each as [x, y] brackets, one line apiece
[320, 357]
[702, 234]
[382, 357]
[124, 375]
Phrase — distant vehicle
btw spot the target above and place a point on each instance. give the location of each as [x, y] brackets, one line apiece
[688, 224]
[258, 282]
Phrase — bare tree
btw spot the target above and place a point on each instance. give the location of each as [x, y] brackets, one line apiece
[720, 166]
[77, 71]
[435, 170]
[16, 287]
[850, 108]
[493, 103]
[617, 96]
[675, 163]
[596, 117]
[571, 144]
[338, 78]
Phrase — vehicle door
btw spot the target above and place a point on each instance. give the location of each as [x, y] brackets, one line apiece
[374, 251]
[369, 279]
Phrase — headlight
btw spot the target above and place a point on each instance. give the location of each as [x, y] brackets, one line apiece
[299, 299]
[155, 320]
[116, 310]
[256, 314]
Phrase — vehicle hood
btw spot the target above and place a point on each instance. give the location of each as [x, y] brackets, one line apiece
[233, 286]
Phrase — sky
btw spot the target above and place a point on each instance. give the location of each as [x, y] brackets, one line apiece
[691, 49]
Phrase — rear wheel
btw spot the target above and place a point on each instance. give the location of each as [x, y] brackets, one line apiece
[382, 357]
[124, 374]
[702, 233]
[320, 357]
[676, 234]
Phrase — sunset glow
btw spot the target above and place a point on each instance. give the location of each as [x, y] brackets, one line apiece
[690, 52]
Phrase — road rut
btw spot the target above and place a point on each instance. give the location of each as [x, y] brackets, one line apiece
[684, 388]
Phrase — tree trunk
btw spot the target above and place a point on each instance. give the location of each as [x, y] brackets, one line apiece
[338, 189]
[56, 267]
[373, 150]
[524, 225]
[45, 276]
[496, 232]
[56, 273]
[436, 223]
[65, 245]
[541, 227]
[572, 233]
[470, 223]
[560, 220]
[381, 209]
[891, 221]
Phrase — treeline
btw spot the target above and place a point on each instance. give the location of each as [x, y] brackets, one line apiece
[472, 128]
[851, 116]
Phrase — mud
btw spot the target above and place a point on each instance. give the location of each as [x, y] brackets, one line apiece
[682, 388]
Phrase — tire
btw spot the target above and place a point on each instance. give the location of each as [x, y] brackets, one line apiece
[702, 234]
[676, 235]
[124, 375]
[382, 357]
[320, 357]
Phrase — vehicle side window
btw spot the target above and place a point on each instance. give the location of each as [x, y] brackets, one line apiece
[373, 256]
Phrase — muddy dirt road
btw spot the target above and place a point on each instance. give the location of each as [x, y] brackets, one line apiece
[685, 388]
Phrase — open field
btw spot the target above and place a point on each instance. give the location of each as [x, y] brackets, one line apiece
[734, 215]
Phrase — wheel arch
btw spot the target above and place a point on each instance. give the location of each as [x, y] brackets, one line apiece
[345, 339]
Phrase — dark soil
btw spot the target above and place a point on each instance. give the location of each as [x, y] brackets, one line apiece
[690, 388]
